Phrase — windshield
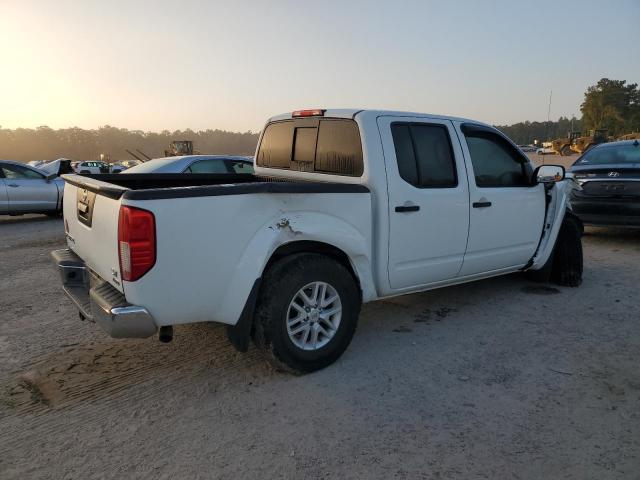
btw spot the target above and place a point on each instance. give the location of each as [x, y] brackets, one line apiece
[607, 155]
[152, 165]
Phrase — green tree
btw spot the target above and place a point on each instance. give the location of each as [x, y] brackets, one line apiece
[612, 104]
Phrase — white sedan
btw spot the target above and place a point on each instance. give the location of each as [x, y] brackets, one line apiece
[545, 151]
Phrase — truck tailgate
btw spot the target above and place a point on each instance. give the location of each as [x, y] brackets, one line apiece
[91, 226]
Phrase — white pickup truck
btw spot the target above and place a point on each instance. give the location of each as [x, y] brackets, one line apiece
[345, 207]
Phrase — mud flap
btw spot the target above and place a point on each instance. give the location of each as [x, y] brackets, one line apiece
[240, 333]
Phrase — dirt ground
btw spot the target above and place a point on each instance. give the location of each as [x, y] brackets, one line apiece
[502, 378]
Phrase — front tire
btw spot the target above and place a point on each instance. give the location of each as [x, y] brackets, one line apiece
[568, 258]
[565, 264]
[307, 312]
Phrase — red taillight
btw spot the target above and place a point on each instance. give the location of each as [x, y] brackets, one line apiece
[136, 242]
[317, 112]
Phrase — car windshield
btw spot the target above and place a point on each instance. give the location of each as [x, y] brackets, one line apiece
[152, 165]
[610, 154]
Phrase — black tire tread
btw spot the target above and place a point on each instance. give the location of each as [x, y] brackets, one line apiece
[278, 278]
[568, 256]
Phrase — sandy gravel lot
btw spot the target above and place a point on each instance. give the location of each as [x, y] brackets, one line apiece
[499, 379]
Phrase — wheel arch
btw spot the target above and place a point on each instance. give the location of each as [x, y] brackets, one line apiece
[283, 237]
[313, 246]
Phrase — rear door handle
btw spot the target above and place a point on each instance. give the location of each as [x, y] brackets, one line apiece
[407, 208]
[12, 185]
[481, 204]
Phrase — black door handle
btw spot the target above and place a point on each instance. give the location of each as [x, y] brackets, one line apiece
[408, 208]
[481, 204]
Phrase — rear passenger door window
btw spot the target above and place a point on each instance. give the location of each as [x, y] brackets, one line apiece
[424, 155]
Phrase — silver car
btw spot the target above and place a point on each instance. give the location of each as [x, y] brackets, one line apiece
[25, 189]
[195, 164]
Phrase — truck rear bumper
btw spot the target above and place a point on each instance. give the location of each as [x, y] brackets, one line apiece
[97, 300]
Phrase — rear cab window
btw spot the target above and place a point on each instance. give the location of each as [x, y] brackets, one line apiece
[320, 145]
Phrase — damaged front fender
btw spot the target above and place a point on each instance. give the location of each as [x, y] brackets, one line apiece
[557, 207]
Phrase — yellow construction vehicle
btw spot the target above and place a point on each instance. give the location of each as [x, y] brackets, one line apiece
[562, 146]
[582, 144]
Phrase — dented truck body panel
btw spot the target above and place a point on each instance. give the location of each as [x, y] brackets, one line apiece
[209, 261]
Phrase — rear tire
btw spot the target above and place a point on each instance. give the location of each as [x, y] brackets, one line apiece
[319, 279]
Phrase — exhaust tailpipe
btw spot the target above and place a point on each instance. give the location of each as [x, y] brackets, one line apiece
[166, 334]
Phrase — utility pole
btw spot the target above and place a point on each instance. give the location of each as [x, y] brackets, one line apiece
[546, 130]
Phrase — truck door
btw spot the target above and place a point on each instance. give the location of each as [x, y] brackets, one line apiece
[428, 200]
[507, 211]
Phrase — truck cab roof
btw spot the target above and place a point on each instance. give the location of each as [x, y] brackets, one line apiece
[353, 112]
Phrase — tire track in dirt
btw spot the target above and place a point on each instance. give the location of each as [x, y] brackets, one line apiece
[80, 376]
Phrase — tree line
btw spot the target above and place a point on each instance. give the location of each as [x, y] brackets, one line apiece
[44, 143]
[610, 104]
[525, 133]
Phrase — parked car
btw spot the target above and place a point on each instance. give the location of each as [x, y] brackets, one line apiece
[129, 163]
[527, 148]
[117, 168]
[24, 189]
[196, 164]
[92, 167]
[545, 151]
[609, 179]
[58, 167]
[347, 206]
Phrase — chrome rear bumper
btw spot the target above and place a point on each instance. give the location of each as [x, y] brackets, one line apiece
[99, 301]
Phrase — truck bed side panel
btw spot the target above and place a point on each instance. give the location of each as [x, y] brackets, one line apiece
[210, 250]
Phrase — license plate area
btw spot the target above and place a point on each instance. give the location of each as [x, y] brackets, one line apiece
[85, 201]
[609, 189]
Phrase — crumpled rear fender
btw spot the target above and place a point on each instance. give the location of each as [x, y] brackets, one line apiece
[292, 227]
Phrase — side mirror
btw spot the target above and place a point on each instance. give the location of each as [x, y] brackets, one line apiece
[50, 177]
[548, 174]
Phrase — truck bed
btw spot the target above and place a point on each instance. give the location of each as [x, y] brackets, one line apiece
[151, 186]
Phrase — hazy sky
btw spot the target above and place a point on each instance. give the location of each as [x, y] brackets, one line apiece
[153, 65]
